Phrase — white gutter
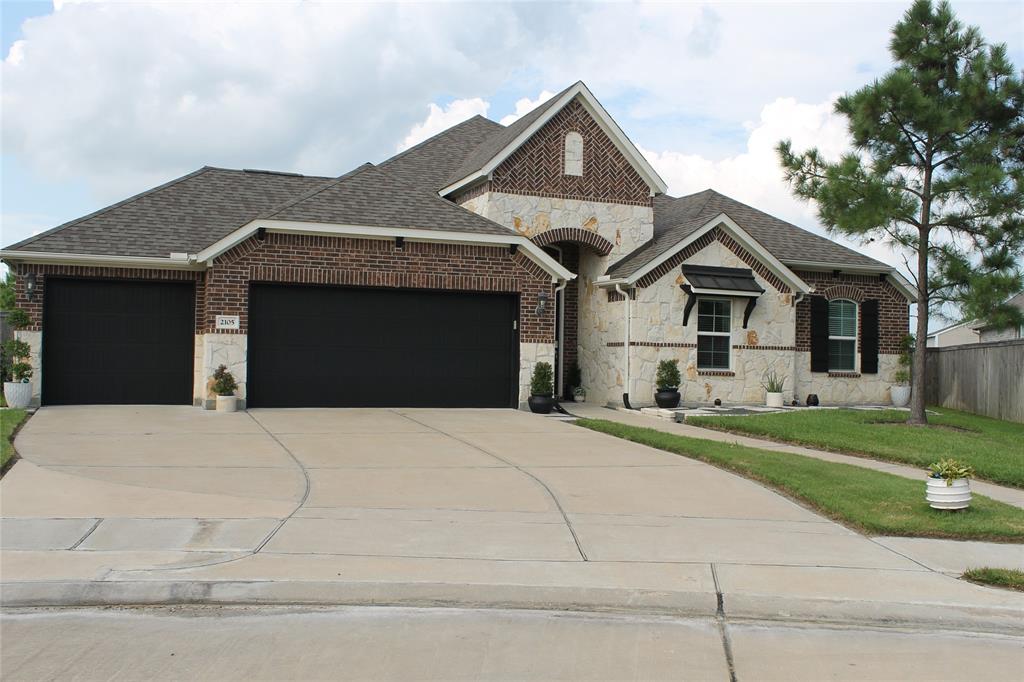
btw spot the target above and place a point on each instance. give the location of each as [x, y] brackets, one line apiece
[625, 349]
[44, 257]
[560, 313]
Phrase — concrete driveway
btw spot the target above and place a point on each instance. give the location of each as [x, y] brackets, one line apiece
[396, 506]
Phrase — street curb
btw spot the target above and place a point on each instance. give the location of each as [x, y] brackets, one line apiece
[940, 616]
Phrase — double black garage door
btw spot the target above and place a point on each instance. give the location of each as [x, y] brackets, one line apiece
[117, 342]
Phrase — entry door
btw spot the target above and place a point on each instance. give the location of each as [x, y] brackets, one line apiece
[348, 347]
[117, 342]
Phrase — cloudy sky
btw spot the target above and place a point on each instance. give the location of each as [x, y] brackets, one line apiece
[102, 100]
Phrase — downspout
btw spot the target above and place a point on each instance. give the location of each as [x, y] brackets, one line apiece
[625, 349]
[796, 354]
[560, 320]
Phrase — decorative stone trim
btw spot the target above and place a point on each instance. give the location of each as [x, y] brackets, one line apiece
[715, 373]
[745, 346]
[575, 234]
[705, 240]
[845, 375]
[614, 296]
[651, 344]
[844, 291]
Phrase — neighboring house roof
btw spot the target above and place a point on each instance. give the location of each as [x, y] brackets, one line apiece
[677, 218]
[183, 215]
[370, 197]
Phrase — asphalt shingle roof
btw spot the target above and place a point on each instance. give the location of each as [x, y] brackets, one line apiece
[677, 218]
[368, 196]
[184, 215]
[429, 164]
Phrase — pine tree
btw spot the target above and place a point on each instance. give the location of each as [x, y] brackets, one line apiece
[936, 171]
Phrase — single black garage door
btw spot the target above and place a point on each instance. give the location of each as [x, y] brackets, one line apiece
[118, 343]
[346, 347]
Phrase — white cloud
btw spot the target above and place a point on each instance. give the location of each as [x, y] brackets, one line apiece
[755, 176]
[439, 119]
[525, 106]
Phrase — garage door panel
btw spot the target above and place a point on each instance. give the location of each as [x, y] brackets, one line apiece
[380, 348]
[118, 342]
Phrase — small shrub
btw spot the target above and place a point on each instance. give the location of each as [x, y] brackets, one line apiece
[668, 375]
[13, 364]
[773, 383]
[951, 469]
[542, 382]
[224, 382]
[18, 318]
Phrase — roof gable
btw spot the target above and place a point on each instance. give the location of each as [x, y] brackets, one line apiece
[431, 163]
[496, 149]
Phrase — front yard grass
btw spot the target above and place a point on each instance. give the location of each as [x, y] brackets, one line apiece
[994, 448]
[999, 577]
[9, 421]
[871, 501]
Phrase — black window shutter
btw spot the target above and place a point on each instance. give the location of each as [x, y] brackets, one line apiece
[819, 334]
[869, 337]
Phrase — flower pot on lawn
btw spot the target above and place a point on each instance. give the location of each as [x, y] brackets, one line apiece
[900, 395]
[773, 399]
[955, 494]
[18, 394]
[227, 403]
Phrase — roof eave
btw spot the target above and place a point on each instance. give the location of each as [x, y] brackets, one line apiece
[46, 257]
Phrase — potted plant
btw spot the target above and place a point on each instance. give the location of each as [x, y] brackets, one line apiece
[900, 390]
[667, 381]
[575, 380]
[541, 389]
[772, 385]
[17, 370]
[224, 385]
[579, 394]
[949, 485]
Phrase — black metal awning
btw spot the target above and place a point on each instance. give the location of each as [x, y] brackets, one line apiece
[708, 280]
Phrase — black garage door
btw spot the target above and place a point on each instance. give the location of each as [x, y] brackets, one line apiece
[343, 347]
[118, 343]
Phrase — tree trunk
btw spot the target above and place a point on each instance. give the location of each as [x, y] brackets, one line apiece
[917, 404]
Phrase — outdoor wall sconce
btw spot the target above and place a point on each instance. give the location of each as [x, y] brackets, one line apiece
[542, 304]
[399, 243]
[30, 285]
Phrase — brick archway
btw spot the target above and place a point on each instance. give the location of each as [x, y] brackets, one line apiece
[575, 234]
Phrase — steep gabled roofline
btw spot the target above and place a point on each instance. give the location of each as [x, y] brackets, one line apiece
[604, 120]
[736, 232]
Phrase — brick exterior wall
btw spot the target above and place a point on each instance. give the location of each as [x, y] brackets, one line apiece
[377, 263]
[537, 167]
[893, 307]
[34, 308]
[599, 244]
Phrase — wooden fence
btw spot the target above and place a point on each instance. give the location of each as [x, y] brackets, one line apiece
[984, 378]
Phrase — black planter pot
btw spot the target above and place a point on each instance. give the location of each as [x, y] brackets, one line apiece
[667, 398]
[812, 400]
[541, 404]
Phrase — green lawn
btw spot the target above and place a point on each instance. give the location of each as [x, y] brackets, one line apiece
[9, 420]
[994, 448]
[1000, 577]
[871, 501]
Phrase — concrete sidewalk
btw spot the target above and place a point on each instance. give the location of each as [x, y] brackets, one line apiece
[1013, 496]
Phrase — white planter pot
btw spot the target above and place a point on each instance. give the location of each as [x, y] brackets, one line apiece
[18, 394]
[580, 397]
[227, 403]
[773, 399]
[942, 496]
[900, 395]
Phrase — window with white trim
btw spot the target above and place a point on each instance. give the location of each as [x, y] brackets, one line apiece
[573, 154]
[714, 333]
[842, 336]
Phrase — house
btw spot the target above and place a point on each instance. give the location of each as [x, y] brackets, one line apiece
[987, 332]
[440, 276]
[954, 335]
